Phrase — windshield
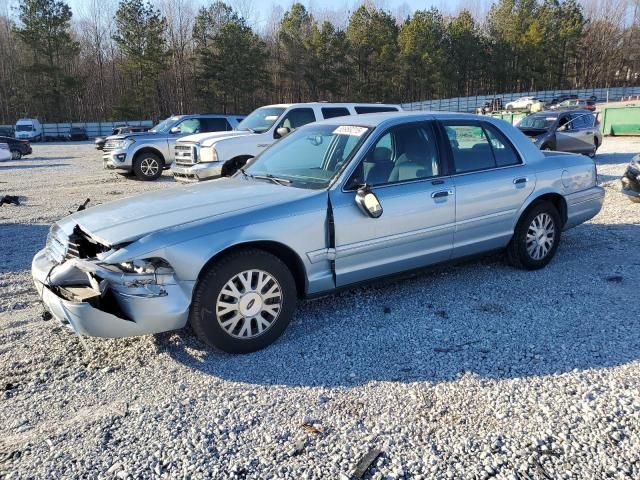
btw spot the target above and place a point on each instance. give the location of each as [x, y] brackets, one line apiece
[260, 120]
[311, 156]
[166, 125]
[533, 121]
[24, 128]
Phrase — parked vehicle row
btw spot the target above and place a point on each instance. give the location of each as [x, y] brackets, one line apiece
[332, 204]
[146, 154]
[535, 104]
[209, 155]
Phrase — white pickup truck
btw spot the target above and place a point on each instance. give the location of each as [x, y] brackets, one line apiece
[210, 155]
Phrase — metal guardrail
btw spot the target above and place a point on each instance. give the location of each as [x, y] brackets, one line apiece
[94, 129]
[469, 104]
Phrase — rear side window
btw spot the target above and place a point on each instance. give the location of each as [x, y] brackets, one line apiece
[503, 151]
[373, 109]
[215, 125]
[332, 112]
[476, 148]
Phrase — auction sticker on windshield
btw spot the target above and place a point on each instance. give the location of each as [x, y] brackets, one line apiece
[350, 130]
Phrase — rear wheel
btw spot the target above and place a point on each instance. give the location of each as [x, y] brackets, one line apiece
[536, 237]
[147, 166]
[243, 302]
[16, 154]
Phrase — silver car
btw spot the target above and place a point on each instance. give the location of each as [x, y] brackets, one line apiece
[335, 203]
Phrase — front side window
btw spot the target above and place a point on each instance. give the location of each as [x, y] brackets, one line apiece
[297, 117]
[578, 122]
[190, 126]
[261, 119]
[310, 157]
[403, 154]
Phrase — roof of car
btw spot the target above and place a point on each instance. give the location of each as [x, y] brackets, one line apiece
[375, 119]
[332, 104]
[555, 113]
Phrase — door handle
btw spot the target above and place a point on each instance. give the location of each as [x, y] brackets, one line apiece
[589, 133]
[520, 181]
[442, 193]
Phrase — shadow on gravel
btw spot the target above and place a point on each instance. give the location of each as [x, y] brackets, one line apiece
[23, 167]
[481, 317]
[613, 158]
[19, 242]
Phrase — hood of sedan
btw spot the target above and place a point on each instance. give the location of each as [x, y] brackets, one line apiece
[131, 218]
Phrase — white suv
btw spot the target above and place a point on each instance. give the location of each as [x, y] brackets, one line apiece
[209, 155]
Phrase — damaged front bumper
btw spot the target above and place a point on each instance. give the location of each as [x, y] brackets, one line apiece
[96, 301]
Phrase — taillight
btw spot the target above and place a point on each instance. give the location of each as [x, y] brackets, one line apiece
[26, 142]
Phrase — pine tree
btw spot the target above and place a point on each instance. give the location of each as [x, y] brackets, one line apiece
[140, 36]
[45, 31]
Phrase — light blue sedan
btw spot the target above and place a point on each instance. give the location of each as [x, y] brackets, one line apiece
[332, 204]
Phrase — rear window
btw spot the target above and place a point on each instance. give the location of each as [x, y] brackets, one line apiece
[373, 109]
[332, 112]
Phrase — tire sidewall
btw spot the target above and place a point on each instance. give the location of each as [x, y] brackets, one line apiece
[16, 154]
[202, 314]
[137, 166]
[520, 235]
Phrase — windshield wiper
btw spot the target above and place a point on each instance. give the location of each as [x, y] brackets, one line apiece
[244, 173]
[277, 180]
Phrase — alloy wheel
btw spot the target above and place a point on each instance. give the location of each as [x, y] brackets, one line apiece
[249, 304]
[540, 236]
[149, 166]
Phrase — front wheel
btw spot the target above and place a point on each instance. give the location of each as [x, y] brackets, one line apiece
[243, 302]
[147, 166]
[536, 237]
[16, 154]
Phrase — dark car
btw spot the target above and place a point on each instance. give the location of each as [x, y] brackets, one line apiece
[120, 130]
[7, 132]
[631, 180]
[574, 104]
[491, 105]
[77, 133]
[18, 148]
[565, 131]
[560, 99]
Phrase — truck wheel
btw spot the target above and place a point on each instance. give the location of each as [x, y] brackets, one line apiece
[536, 237]
[16, 154]
[147, 166]
[243, 302]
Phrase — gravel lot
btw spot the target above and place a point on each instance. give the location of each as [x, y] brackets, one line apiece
[469, 371]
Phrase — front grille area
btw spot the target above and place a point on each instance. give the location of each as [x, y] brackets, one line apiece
[185, 154]
[77, 245]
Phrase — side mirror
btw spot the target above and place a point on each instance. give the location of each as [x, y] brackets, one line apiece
[282, 131]
[368, 202]
[175, 130]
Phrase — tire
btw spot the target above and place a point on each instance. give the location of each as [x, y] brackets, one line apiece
[531, 256]
[16, 154]
[148, 166]
[592, 153]
[509, 108]
[212, 312]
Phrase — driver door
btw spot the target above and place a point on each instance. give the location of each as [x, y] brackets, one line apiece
[404, 169]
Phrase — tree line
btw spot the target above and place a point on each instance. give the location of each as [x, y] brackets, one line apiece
[150, 60]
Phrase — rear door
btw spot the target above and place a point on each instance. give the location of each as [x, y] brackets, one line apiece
[491, 183]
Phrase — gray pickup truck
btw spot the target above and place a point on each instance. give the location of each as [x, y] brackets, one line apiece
[146, 154]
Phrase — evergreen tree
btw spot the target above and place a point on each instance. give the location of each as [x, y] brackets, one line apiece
[140, 37]
[44, 29]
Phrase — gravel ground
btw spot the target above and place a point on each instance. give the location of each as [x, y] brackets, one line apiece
[469, 371]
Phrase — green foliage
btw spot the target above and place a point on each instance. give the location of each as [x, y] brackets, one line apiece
[140, 38]
[44, 30]
[373, 36]
[231, 65]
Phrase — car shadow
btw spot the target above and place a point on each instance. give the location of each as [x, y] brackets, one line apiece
[19, 243]
[25, 167]
[614, 158]
[477, 317]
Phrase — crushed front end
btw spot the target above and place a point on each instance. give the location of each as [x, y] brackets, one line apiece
[94, 297]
